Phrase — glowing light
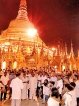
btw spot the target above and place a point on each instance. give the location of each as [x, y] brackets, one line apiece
[63, 67]
[7, 43]
[53, 48]
[32, 32]
[3, 65]
[15, 65]
[55, 66]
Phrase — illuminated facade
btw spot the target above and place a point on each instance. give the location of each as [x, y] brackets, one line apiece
[20, 45]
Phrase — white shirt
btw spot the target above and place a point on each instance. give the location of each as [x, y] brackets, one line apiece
[67, 98]
[39, 80]
[52, 102]
[77, 88]
[74, 102]
[43, 78]
[33, 83]
[60, 85]
[4, 79]
[54, 79]
[16, 86]
[46, 90]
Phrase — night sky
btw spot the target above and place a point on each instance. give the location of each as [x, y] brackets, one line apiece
[54, 19]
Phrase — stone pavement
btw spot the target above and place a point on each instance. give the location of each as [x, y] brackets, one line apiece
[24, 103]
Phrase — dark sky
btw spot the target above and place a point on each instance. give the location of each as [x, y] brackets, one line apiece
[53, 19]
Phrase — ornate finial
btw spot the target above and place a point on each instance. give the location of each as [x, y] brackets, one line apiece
[72, 53]
[22, 13]
[23, 2]
[71, 46]
[65, 49]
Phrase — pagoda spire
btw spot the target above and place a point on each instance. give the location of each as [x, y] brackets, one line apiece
[65, 49]
[22, 13]
[23, 2]
[71, 53]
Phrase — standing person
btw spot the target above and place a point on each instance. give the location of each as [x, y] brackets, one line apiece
[39, 85]
[67, 97]
[76, 79]
[11, 77]
[25, 89]
[54, 98]
[4, 80]
[42, 85]
[33, 86]
[59, 85]
[54, 78]
[16, 86]
[46, 91]
[73, 93]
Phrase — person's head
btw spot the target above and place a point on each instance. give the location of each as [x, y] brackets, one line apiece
[53, 74]
[12, 73]
[66, 80]
[40, 73]
[52, 84]
[73, 84]
[44, 73]
[58, 77]
[18, 75]
[5, 74]
[75, 77]
[32, 74]
[68, 87]
[45, 82]
[54, 92]
[24, 75]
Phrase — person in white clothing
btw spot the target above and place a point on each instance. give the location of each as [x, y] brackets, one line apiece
[4, 80]
[39, 93]
[42, 87]
[59, 85]
[73, 93]
[67, 97]
[54, 78]
[17, 86]
[46, 91]
[54, 98]
[76, 79]
[33, 86]
[25, 89]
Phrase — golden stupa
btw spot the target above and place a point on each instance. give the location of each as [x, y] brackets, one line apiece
[20, 45]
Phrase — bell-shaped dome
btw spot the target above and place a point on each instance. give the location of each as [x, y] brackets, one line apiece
[18, 28]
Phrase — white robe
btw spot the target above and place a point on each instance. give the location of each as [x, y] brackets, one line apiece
[24, 90]
[74, 102]
[17, 86]
[55, 80]
[60, 85]
[52, 102]
[77, 88]
[67, 98]
[33, 86]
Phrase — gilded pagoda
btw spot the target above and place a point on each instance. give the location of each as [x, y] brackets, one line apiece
[20, 45]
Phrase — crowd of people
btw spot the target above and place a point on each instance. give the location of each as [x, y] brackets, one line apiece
[52, 87]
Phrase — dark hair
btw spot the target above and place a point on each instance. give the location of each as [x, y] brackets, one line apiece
[73, 84]
[76, 76]
[45, 82]
[52, 82]
[55, 92]
[18, 74]
[68, 87]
